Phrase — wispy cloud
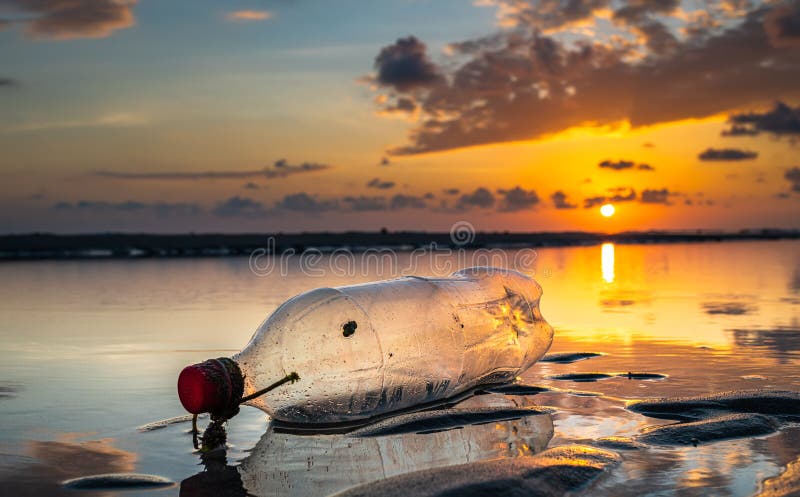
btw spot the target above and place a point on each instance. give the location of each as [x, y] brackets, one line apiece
[119, 119]
[71, 19]
[249, 15]
[280, 169]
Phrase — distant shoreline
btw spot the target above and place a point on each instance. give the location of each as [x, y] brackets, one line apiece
[144, 246]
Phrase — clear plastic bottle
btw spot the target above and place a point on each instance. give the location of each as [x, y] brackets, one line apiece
[370, 349]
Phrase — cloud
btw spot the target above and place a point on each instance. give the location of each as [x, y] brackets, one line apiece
[451, 191]
[793, 177]
[522, 85]
[656, 196]
[618, 165]
[251, 186]
[726, 154]
[780, 120]
[8, 82]
[71, 19]
[560, 201]
[304, 202]
[363, 203]
[617, 194]
[401, 201]
[380, 185]
[280, 169]
[239, 207]
[481, 198]
[249, 15]
[783, 25]
[161, 209]
[405, 66]
[624, 164]
[517, 199]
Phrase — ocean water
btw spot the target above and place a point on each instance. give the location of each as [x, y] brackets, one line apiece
[90, 351]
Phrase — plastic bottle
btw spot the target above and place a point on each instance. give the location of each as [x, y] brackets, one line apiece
[366, 350]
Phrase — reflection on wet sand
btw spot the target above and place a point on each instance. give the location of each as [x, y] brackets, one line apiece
[293, 464]
[45, 465]
[782, 343]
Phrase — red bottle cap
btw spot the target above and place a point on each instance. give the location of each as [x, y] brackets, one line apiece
[211, 386]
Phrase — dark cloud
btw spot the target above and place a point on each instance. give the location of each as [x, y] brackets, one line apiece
[517, 199]
[648, 145]
[661, 196]
[783, 25]
[793, 177]
[521, 85]
[251, 186]
[617, 194]
[239, 207]
[726, 154]
[363, 203]
[8, 82]
[780, 120]
[618, 165]
[451, 191]
[405, 66]
[560, 201]
[69, 19]
[380, 185]
[481, 198]
[622, 194]
[590, 202]
[402, 105]
[280, 169]
[624, 164]
[161, 209]
[401, 201]
[304, 202]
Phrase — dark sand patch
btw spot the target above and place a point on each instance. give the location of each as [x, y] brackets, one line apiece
[548, 474]
[519, 389]
[569, 357]
[111, 481]
[581, 376]
[710, 430]
[775, 402]
[618, 443]
[786, 484]
[445, 419]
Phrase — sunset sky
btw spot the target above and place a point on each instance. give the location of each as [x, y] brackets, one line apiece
[300, 115]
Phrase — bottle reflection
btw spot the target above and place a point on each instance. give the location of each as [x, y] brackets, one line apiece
[607, 261]
[284, 463]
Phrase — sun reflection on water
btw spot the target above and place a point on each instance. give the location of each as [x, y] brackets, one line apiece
[607, 261]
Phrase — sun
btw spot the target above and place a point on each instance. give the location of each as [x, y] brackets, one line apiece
[607, 210]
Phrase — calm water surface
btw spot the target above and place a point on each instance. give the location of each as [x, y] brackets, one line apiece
[90, 351]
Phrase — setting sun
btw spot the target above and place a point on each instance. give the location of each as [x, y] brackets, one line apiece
[607, 210]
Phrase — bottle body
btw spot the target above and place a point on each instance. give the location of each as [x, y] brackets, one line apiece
[366, 350]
